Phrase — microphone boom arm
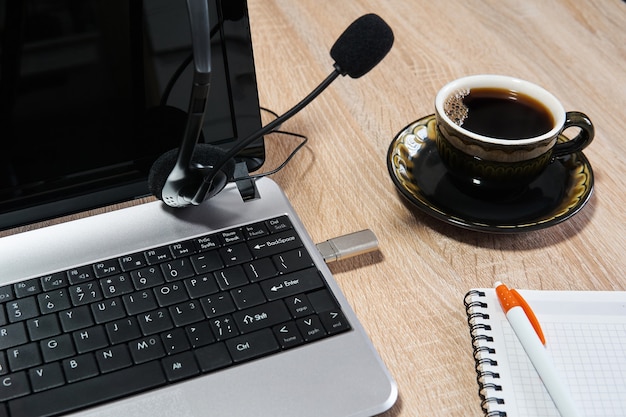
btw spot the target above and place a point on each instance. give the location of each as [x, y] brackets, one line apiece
[208, 179]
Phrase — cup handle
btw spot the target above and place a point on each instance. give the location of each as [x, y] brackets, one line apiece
[578, 142]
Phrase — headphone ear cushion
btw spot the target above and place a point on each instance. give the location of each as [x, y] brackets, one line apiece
[204, 154]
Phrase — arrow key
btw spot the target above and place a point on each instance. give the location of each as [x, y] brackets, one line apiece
[288, 335]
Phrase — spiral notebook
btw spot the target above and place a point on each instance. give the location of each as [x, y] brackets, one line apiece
[585, 335]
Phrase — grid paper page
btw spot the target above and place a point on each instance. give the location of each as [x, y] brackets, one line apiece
[588, 345]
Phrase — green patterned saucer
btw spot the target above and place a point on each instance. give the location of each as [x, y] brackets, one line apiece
[415, 168]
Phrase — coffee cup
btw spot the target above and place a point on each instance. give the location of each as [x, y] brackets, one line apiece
[498, 133]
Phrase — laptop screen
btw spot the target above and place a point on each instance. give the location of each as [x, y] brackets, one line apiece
[92, 92]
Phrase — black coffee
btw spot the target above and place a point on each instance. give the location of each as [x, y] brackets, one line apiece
[505, 114]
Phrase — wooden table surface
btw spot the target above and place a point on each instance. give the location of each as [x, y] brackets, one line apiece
[409, 294]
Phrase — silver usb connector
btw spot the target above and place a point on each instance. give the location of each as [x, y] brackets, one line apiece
[347, 246]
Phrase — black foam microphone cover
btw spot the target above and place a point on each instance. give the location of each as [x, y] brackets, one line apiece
[204, 154]
[362, 45]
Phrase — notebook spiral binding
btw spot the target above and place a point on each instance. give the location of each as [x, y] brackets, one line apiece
[486, 377]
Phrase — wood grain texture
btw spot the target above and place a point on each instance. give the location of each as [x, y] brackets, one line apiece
[409, 294]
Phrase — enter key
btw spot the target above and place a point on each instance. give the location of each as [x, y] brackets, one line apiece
[292, 284]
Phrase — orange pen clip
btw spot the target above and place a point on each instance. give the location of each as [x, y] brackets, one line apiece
[510, 298]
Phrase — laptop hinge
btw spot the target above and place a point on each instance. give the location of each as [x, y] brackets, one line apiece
[245, 185]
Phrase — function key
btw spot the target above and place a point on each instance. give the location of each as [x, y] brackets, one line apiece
[28, 287]
[132, 261]
[183, 248]
[106, 268]
[157, 255]
[80, 274]
[6, 293]
[278, 224]
[53, 281]
[252, 231]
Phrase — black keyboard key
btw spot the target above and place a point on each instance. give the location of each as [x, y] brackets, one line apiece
[288, 335]
[334, 321]
[54, 281]
[54, 301]
[158, 255]
[108, 310]
[43, 327]
[278, 224]
[12, 335]
[105, 268]
[80, 367]
[231, 277]
[155, 321]
[311, 328]
[85, 293]
[46, 377]
[252, 231]
[27, 288]
[146, 349]
[293, 260]
[140, 302]
[132, 261]
[292, 284]
[217, 304]
[170, 294]
[260, 269]
[116, 285]
[299, 305]
[23, 357]
[90, 391]
[252, 345]
[175, 341]
[56, 348]
[180, 366]
[274, 244]
[265, 315]
[186, 313]
[90, 339]
[80, 274]
[224, 327]
[6, 293]
[206, 243]
[177, 269]
[76, 318]
[202, 285]
[147, 277]
[183, 249]
[248, 296]
[207, 262]
[113, 358]
[199, 334]
[123, 330]
[22, 309]
[14, 385]
[235, 254]
[213, 357]
[231, 236]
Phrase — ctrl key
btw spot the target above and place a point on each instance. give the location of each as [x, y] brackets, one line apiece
[252, 345]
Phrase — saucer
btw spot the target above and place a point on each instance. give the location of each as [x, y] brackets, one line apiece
[561, 190]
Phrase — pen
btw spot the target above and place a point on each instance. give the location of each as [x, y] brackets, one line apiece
[530, 335]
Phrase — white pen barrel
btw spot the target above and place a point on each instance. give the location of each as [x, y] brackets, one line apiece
[542, 362]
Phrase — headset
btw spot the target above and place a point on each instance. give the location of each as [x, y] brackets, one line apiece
[195, 172]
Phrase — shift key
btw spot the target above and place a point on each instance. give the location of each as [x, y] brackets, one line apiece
[292, 284]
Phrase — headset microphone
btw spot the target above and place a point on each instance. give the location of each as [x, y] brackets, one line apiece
[361, 47]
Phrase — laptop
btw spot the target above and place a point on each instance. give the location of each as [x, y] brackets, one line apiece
[223, 309]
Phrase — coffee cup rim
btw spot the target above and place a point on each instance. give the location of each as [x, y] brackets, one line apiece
[505, 82]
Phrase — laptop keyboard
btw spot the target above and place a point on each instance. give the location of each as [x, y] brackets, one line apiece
[102, 331]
